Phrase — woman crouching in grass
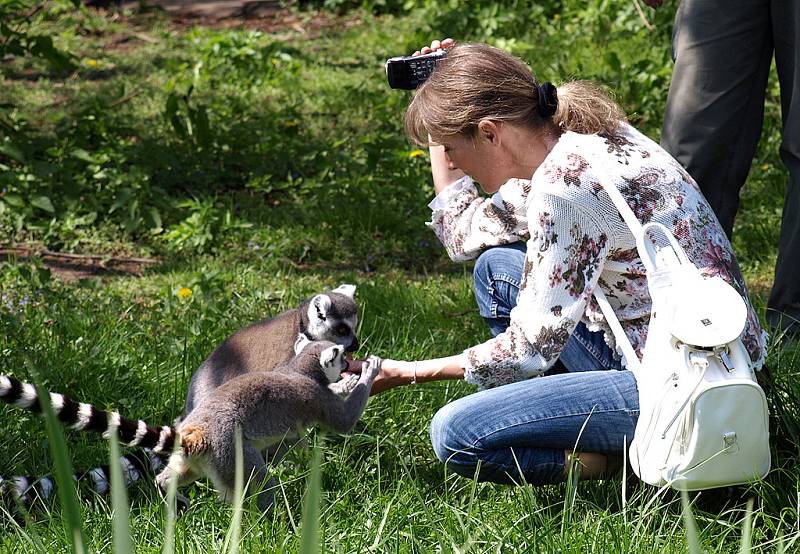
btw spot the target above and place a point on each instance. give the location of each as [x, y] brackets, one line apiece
[544, 240]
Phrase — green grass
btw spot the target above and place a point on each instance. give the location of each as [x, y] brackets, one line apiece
[305, 182]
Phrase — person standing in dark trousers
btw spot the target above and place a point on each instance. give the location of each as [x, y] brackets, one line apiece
[723, 50]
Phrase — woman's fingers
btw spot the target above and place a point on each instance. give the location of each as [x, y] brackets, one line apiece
[436, 44]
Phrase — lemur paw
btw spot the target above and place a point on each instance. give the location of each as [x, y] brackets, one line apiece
[182, 503]
[371, 368]
[345, 386]
[193, 439]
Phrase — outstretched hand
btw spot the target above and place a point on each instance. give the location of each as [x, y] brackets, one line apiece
[390, 375]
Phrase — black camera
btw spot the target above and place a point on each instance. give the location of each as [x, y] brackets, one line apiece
[409, 72]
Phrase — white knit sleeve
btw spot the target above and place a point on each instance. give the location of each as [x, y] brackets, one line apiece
[467, 223]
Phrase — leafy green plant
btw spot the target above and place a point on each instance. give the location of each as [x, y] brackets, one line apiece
[19, 38]
[189, 120]
[206, 223]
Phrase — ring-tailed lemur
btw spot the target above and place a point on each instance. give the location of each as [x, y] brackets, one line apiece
[85, 417]
[268, 344]
[261, 346]
[266, 406]
[158, 441]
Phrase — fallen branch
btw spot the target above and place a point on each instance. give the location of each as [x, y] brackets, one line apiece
[125, 99]
[27, 252]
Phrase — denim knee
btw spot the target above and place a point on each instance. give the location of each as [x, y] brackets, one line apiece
[446, 437]
[458, 447]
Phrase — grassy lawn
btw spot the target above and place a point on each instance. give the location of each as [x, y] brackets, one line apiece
[259, 167]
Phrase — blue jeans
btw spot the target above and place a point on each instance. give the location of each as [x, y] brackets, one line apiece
[520, 431]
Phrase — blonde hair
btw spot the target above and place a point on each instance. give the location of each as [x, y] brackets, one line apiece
[478, 81]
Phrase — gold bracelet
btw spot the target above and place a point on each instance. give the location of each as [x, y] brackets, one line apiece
[414, 378]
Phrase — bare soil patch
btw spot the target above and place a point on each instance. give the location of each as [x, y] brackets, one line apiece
[270, 16]
[73, 267]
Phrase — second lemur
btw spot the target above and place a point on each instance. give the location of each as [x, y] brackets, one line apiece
[268, 344]
[267, 407]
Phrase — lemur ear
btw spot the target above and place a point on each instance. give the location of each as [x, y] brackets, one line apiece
[301, 342]
[318, 307]
[347, 290]
[329, 354]
[327, 361]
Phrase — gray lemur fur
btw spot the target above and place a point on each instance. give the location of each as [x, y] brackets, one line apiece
[267, 407]
[267, 344]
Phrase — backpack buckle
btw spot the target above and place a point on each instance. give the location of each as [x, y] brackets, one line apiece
[729, 440]
[723, 356]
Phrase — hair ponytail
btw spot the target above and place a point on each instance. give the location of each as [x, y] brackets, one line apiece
[584, 107]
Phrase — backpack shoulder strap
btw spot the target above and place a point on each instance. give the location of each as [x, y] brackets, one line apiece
[631, 359]
[619, 202]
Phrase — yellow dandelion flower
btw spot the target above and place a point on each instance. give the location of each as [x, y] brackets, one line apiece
[416, 153]
[765, 167]
[91, 62]
[184, 293]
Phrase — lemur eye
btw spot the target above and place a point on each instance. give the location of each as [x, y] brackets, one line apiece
[343, 329]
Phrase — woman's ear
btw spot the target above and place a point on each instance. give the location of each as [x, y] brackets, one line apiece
[489, 130]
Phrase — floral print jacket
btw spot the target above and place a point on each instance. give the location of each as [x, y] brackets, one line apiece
[576, 241]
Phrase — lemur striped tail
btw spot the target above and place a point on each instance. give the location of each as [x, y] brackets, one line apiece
[25, 490]
[85, 417]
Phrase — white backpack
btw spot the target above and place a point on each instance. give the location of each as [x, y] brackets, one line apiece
[703, 420]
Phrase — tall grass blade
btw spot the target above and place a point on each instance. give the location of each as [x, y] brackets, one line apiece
[123, 544]
[65, 484]
[309, 540]
[172, 515]
[571, 493]
[692, 536]
[234, 534]
[379, 533]
[625, 479]
[747, 529]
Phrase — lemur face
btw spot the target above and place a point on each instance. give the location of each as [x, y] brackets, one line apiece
[333, 362]
[334, 317]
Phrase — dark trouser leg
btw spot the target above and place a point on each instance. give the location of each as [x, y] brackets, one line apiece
[784, 302]
[715, 106]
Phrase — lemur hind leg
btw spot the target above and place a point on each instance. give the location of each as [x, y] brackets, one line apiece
[256, 475]
[177, 468]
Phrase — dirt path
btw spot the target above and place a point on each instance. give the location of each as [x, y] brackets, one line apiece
[215, 9]
[266, 15]
[73, 267]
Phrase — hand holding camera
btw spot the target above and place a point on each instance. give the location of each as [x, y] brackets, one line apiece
[409, 72]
